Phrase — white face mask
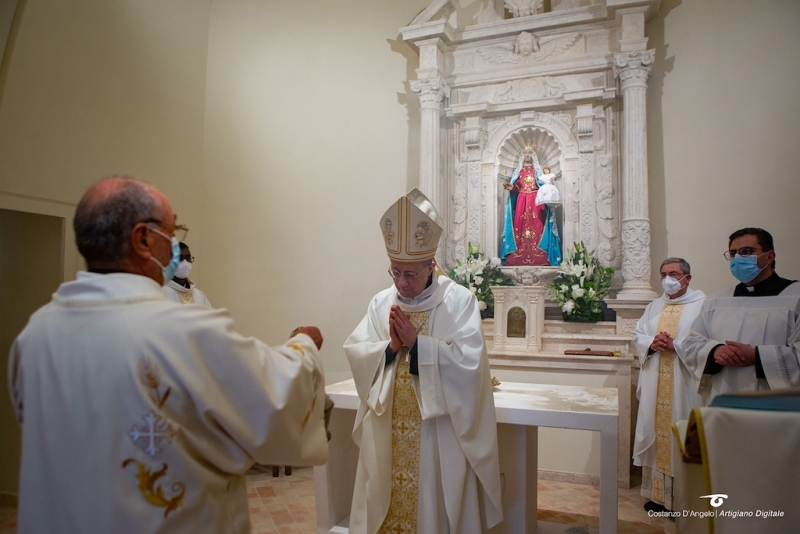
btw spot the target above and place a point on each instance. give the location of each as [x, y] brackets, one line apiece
[183, 270]
[671, 286]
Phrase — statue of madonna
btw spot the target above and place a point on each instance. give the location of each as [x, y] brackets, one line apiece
[530, 233]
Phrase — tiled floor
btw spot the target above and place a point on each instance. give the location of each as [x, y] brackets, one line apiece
[286, 505]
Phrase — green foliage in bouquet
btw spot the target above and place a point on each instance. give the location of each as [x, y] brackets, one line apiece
[478, 274]
[581, 285]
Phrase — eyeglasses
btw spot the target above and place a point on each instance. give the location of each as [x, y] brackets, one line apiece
[179, 231]
[188, 258]
[408, 276]
[744, 251]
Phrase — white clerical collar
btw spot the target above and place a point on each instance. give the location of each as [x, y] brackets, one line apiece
[422, 297]
[92, 289]
[178, 287]
[690, 296]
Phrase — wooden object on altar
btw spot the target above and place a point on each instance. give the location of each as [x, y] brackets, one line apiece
[588, 352]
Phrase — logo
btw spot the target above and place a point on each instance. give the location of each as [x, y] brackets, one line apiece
[716, 499]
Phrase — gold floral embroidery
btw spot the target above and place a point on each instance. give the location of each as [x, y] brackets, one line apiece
[658, 489]
[154, 493]
[186, 297]
[387, 223]
[406, 425]
[317, 378]
[667, 322]
[150, 375]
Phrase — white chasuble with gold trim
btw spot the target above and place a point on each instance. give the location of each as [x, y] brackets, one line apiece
[142, 415]
[667, 391]
[458, 478]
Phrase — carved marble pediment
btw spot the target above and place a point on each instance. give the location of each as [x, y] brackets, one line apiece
[530, 89]
[528, 48]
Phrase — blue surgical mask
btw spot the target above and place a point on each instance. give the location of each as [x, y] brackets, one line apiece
[168, 270]
[745, 268]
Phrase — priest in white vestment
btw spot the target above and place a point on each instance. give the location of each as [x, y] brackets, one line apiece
[747, 338]
[428, 460]
[142, 415]
[181, 289]
[667, 390]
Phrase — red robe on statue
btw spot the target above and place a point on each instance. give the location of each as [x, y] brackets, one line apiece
[528, 221]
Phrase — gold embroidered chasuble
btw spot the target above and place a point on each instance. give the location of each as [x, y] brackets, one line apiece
[667, 322]
[406, 425]
[164, 469]
[452, 436]
[186, 298]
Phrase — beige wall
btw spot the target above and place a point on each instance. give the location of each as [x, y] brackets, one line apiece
[306, 145]
[723, 128]
[96, 88]
[281, 131]
[30, 270]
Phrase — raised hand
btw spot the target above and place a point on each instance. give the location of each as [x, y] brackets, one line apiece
[312, 332]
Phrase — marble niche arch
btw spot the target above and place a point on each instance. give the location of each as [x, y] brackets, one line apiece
[556, 148]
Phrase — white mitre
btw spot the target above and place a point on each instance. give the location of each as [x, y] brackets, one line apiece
[411, 228]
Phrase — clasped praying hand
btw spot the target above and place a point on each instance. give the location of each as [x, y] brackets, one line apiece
[401, 331]
[662, 341]
[735, 354]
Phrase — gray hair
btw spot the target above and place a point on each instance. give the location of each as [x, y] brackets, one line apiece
[684, 265]
[104, 221]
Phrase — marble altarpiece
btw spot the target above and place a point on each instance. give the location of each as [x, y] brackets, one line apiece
[569, 79]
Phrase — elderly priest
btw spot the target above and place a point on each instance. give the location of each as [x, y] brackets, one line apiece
[667, 390]
[142, 415]
[426, 424]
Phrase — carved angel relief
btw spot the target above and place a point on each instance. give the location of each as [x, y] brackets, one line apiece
[607, 226]
[523, 8]
[528, 48]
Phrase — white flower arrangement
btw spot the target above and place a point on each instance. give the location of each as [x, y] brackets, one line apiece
[581, 285]
[478, 274]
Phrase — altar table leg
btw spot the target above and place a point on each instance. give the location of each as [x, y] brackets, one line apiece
[334, 481]
[518, 446]
[608, 478]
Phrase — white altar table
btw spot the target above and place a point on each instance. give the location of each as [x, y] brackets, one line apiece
[521, 409]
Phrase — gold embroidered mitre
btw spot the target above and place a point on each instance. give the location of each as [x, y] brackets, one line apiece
[411, 228]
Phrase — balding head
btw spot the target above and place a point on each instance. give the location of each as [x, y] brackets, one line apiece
[107, 213]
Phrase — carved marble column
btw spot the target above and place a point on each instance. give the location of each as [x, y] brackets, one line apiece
[476, 193]
[585, 129]
[633, 69]
[431, 93]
